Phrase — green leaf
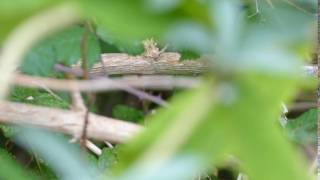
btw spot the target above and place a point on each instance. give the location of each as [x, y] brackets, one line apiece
[169, 126]
[8, 130]
[303, 129]
[243, 122]
[10, 169]
[17, 7]
[107, 160]
[14, 12]
[63, 157]
[36, 97]
[64, 48]
[125, 22]
[127, 113]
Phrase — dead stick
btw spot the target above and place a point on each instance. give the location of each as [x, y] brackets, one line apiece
[69, 122]
[124, 64]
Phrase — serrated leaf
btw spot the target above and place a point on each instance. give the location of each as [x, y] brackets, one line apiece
[303, 129]
[127, 113]
[62, 47]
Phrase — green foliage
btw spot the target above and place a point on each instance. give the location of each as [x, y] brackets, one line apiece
[230, 132]
[36, 97]
[107, 160]
[10, 169]
[130, 21]
[182, 115]
[127, 113]
[14, 12]
[9, 131]
[123, 15]
[62, 47]
[303, 129]
[256, 63]
[64, 158]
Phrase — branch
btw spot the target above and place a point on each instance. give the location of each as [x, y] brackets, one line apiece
[104, 84]
[69, 122]
[153, 82]
[167, 64]
[139, 93]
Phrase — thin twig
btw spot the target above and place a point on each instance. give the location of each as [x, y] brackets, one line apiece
[140, 94]
[77, 105]
[85, 75]
[94, 148]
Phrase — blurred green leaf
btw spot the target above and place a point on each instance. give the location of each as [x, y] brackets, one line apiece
[303, 129]
[14, 12]
[244, 125]
[64, 48]
[236, 116]
[126, 20]
[183, 114]
[10, 169]
[17, 7]
[181, 167]
[61, 156]
[199, 38]
[127, 113]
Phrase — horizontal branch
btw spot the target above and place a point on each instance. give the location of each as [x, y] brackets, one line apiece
[69, 122]
[123, 64]
[105, 84]
[168, 64]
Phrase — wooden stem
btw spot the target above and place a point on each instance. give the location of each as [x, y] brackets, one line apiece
[69, 122]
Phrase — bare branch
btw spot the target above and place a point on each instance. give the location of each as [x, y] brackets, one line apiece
[167, 64]
[105, 84]
[69, 122]
[139, 93]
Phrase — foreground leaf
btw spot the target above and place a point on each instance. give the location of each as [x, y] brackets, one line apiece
[10, 169]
